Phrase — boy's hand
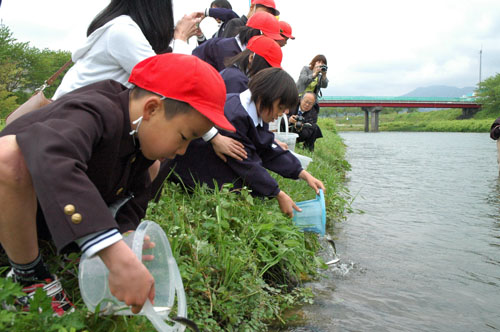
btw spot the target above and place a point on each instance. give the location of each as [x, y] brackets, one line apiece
[287, 205]
[224, 145]
[312, 181]
[129, 280]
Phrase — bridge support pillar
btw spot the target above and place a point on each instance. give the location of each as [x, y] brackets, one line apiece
[468, 113]
[374, 118]
[367, 118]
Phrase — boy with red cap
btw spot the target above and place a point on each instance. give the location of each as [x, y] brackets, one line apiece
[262, 52]
[286, 33]
[233, 26]
[216, 50]
[75, 171]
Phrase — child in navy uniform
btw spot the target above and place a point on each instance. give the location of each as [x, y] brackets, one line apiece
[271, 93]
[77, 169]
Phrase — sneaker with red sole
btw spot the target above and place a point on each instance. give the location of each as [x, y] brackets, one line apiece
[53, 288]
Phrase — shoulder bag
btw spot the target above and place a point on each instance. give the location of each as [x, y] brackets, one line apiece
[38, 99]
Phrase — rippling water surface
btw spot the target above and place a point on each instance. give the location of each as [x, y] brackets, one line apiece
[425, 254]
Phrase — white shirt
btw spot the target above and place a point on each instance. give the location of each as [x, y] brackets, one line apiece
[249, 106]
[110, 52]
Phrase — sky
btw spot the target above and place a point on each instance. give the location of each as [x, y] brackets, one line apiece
[373, 48]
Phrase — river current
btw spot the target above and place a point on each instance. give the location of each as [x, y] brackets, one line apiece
[425, 253]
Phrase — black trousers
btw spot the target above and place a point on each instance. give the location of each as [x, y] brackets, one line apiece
[309, 134]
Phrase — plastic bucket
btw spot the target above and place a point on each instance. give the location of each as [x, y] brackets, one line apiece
[286, 137]
[93, 280]
[304, 160]
[313, 215]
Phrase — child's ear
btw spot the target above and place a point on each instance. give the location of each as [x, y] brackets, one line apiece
[250, 58]
[151, 105]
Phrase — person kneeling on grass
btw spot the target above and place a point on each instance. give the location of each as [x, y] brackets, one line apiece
[76, 171]
[271, 93]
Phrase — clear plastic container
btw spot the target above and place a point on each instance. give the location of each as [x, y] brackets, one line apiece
[93, 280]
[304, 160]
[313, 215]
[286, 137]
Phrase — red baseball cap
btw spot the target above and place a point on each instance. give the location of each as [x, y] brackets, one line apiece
[286, 29]
[268, 4]
[266, 23]
[185, 78]
[266, 48]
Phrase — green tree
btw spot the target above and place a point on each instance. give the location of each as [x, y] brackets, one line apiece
[489, 95]
[8, 101]
[24, 69]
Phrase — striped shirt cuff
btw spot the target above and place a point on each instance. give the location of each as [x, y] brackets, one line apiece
[93, 243]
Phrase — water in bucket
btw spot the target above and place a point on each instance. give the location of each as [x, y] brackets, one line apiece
[313, 215]
[286, 137]
[93, 280]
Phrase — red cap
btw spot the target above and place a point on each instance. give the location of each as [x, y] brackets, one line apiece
[185, 78]
[286, 29]
[268, 4]
[266, 48]
[266, 23]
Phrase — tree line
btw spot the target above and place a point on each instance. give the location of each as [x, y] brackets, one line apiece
[23, 69]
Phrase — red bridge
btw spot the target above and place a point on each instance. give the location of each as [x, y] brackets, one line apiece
[374, 105]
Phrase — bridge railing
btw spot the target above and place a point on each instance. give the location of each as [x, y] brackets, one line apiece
[396, 99]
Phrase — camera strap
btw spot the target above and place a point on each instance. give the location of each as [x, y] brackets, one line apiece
[317, 88]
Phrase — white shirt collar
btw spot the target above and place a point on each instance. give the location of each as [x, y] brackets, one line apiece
[242, 47]
[249, 106]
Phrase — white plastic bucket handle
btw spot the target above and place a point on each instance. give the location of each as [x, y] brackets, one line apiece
[157, 320]
[286, 123]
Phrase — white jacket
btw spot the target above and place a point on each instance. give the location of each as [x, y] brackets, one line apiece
[110, 53]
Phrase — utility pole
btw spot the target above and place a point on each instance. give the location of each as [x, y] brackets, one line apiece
[480, 63]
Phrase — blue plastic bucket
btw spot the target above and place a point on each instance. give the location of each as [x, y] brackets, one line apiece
[313, 215]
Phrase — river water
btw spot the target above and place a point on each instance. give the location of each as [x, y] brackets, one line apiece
[425, 254]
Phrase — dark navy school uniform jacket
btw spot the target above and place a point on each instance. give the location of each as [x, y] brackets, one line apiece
[263, 155]
[233, 26]
[79, 153]
[216, 50]
[223, 14]
[236, 81]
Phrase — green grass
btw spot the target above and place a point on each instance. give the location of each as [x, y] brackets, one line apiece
[241, 260]
[442, 121]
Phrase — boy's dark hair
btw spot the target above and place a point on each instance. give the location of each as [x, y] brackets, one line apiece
[221, 4]
[246, 32]
[273, 84]
[154, 17]
[319, 57]
[241, 61]
[172, 107]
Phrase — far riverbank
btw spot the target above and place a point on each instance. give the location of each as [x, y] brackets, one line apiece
[432, 121]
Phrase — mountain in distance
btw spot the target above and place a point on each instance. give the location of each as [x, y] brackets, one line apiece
[441, 91]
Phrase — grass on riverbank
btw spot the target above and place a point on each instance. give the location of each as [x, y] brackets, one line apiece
[240, 258]
[441, 120]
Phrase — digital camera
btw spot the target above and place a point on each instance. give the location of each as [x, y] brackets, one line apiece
[323, 68]
[299, 122]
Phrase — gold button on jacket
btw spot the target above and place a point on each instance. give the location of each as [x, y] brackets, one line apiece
[69, 209]
[76, 218]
